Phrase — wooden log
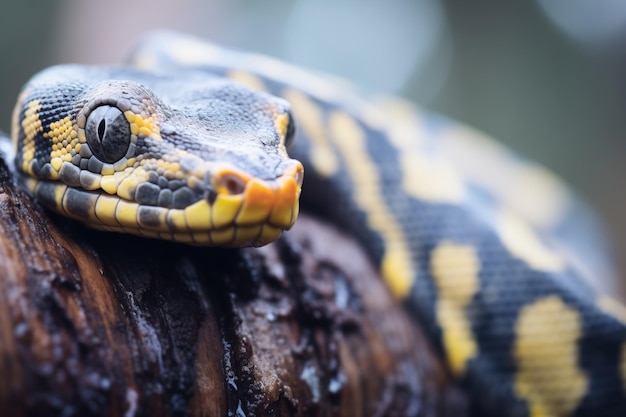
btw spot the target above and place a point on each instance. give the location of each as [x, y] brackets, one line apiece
[100, 324]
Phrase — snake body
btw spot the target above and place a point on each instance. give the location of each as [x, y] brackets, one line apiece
[500, 263]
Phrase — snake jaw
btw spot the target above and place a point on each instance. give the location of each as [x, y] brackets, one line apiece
[255, 216]
[242, 210]
[248, 211]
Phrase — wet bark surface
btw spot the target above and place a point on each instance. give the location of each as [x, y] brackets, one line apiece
[98, 324]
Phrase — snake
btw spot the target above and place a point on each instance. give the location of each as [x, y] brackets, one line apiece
[505, 268]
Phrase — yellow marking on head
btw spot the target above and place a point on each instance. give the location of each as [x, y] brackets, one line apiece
[62, 135]
[127, 185]
[546, 352]
[285, 209]
[59, 193]
[538, 196]
[147, 126]
[455, 270]
[31, 125]
[109, 184]
[310, 119]
[523, 243]
[198, 215]
[225, 208]
[31, 184]
[193, 181]
[282, 215]
[183, 237]
[269, 233]
[126, 214]
[612, 307]
[107, 169]
[281, 121]
[257, 205]
[168, 168]
[176, 219]
[106, 209]
[56, 163]
[286, 202]
[223, 236]
[201, 238]
[396, 267]
[247, 79]
[245, 234]
[253, 214]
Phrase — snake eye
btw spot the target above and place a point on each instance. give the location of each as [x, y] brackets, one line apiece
[108, 133]
[291, 131]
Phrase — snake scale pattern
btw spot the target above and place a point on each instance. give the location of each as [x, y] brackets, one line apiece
[501, 264]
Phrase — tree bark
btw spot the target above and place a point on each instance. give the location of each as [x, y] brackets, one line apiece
[100, 324]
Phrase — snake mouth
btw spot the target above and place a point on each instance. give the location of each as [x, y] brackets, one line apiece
[245, 210]
[241, 211]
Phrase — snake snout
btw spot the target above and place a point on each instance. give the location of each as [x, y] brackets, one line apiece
[232, 181]
[295, 170]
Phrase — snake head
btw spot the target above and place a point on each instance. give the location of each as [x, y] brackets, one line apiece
[188, 157]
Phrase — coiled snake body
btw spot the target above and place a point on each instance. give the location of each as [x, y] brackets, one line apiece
[499, 262]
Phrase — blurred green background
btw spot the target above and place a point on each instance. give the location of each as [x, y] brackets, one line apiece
[545, 77]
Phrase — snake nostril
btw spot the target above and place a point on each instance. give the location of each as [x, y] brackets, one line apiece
[232, 184]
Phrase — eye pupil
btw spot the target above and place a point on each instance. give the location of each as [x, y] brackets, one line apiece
[108, 133]
[101, 128]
